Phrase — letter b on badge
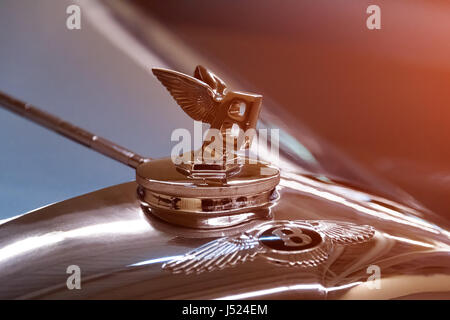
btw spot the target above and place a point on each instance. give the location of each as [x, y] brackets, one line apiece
[288, 236]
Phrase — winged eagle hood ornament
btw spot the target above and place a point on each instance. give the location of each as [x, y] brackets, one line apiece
[199, 96]
[206, 98]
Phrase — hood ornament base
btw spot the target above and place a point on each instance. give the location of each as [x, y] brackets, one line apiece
[202, 203]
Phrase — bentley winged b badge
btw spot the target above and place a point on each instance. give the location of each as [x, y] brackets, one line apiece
[300, 243]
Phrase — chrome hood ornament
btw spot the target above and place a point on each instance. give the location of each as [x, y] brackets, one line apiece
[205, 97]
[300, 243]
[215, 186]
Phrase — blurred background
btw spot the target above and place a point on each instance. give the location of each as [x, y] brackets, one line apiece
[381, 97]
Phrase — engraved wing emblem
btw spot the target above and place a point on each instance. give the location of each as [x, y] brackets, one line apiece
[302, 243]
[344, 232]
[199, 99]
[217, 254]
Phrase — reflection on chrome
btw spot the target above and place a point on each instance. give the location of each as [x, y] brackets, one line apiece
[382, 212]
[29, 244]
[264, 292]
[153, 261]
[437, 246]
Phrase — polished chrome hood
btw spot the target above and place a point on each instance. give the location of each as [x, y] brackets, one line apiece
[121, 250]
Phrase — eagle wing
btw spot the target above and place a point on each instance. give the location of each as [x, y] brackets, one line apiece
[217, 254]
[194, 96]
[344, 232]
